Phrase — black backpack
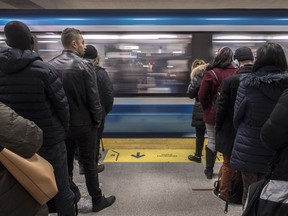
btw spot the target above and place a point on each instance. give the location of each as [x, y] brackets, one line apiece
[236, 188]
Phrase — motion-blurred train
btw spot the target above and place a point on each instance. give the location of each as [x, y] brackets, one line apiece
[148, 55]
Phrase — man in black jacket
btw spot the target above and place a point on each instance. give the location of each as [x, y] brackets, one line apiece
[33, 89]
[80, 84]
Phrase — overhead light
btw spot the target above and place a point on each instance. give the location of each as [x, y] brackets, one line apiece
[177, 52]
[99, 37]
[128, 47]
[49, 50]
[48, 41]
[232, 37]
[48, 36]
[238, 41]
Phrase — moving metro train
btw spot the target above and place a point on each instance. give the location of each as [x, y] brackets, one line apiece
[148, 55]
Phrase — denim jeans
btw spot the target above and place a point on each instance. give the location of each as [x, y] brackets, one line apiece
[85, 138]
[57, 156]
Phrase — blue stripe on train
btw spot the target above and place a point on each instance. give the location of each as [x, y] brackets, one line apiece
[150, 121]
[147, 17]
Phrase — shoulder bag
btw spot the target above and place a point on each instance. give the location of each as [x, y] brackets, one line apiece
[35, 174]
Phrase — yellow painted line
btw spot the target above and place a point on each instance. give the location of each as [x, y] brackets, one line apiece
[151, 155]
[150, 143]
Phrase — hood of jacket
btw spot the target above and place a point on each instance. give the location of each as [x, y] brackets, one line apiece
[14, 60]
[266, 79]
[198, 70]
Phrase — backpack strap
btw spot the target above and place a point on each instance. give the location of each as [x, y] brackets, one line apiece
[213, 72]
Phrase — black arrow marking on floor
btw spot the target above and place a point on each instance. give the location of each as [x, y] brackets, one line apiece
[117, 153]
[138, 155]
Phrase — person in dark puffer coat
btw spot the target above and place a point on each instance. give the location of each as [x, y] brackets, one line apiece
[198, 68]
[257, 95]
[34, 90]
[225, 132]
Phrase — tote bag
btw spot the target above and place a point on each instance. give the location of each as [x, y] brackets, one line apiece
[35, 174]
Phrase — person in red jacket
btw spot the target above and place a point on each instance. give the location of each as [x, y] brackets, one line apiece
[216, 72]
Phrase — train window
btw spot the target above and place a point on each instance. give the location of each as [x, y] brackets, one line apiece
[152, 64]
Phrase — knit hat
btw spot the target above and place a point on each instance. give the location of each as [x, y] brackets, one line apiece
[243, 53]
[90, 52]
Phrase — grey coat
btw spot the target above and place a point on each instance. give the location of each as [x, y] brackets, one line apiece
[24, 138]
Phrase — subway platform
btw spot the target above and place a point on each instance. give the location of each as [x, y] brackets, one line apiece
[171, 188]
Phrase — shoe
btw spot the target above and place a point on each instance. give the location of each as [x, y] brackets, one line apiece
[208, 173]
[100, 168]
[216, 194]
[102, 203]
[194, 158]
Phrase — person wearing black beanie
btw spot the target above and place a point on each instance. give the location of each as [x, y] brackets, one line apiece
[105, 89]
[225, 134]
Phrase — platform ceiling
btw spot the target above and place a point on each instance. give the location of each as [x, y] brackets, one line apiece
[143, 4]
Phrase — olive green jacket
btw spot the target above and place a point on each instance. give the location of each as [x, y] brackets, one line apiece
[24, 138]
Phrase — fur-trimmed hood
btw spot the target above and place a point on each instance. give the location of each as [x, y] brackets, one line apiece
[265, 79]
[198, 70]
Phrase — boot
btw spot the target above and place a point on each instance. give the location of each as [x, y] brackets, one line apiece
[100, 203]
[210, 161]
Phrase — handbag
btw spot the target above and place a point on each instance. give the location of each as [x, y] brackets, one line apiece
[35, 174]
[268, 196]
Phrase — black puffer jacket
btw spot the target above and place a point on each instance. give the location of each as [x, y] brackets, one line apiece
[80, 84]
[33, 89]
[192, 91]
[274, 135]
[225, 132]
[257, 95]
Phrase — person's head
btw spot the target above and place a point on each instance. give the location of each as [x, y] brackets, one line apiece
[91, 53]
[223, 58]
[18, 35]
[270, 54]
[72, 39]
[243, 55]
[196, 63]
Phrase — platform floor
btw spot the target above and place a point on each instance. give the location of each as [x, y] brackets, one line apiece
[155, 189]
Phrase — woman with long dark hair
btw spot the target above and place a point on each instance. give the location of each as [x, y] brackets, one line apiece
[216, 72]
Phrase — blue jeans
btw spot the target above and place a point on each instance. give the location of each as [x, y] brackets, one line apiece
[85, 138]
[57, 156]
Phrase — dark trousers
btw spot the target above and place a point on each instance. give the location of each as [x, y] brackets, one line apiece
[57, 156]
[248, 178]
[84, 138]
[200, 137]
[99, 137]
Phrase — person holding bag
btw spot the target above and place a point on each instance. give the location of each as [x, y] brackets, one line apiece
[24, 138]
[274, 135]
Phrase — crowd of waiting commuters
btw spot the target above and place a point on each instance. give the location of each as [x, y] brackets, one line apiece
[238, 93]
[58, 108]
[62, 98]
